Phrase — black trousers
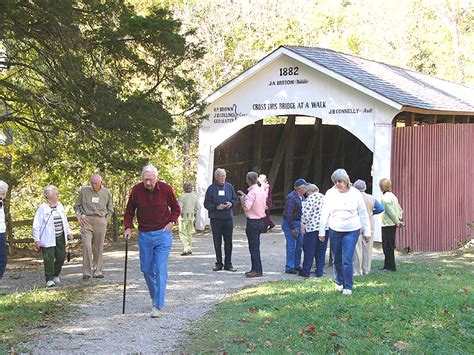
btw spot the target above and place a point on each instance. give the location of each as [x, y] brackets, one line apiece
[388, 246]
[222, 228]
[253, 230]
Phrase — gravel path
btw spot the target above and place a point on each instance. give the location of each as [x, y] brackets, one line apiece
[98, 325]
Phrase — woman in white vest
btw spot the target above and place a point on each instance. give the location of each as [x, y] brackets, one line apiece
[50, 233]
[3, 228]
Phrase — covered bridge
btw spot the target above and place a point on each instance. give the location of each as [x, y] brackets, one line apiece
[303, 112]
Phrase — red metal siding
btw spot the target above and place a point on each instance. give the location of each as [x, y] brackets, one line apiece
[433, 177]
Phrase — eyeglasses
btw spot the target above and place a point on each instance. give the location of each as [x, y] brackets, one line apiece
[338, 181]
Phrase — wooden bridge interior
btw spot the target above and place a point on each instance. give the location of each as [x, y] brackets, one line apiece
[287, 151]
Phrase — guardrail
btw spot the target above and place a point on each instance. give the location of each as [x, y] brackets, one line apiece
[113, 228]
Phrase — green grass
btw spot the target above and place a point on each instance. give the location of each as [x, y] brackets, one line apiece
[425, 307]
[22, 313]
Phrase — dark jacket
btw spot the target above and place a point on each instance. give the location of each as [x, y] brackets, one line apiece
[213, 199]
[292, 209]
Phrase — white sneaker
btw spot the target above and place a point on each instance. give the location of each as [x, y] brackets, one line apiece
[155, 312]
[347, 292]
[50, 283]
[338, 287]
[56, 280]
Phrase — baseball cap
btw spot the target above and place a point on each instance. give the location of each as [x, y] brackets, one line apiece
[300, 182]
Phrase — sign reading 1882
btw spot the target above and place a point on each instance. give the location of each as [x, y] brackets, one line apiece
[288, 72]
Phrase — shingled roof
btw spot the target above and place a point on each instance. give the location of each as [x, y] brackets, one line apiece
[405, 87]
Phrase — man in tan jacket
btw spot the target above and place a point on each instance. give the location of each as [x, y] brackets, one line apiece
[94, 207]
[363, 250]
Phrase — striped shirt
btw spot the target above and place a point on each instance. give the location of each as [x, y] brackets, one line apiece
[58, 223]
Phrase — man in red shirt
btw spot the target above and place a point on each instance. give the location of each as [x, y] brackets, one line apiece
[157, 212]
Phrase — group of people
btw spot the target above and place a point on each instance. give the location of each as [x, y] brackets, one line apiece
[220, 199]
[51, 230]
[343, 216]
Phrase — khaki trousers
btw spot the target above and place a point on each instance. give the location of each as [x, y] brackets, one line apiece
[363, 256]
[93, 236]
[186, 230]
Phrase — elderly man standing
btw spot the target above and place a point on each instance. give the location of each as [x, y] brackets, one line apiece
[254, 204]
[363, 250]
[94, 207]
[291, 226]
[219, 200]
[157, 211]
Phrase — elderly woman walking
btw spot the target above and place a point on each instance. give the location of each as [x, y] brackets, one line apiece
[3, 228]
[50, 233]
[344, 214]
[391, 219]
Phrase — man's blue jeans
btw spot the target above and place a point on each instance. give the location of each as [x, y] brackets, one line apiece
[155, 249]
[3, 254]
[294, 245]
[314, 249]
[342, 248]
[253, 230]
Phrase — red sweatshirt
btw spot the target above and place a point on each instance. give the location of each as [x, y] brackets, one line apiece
[155, 209]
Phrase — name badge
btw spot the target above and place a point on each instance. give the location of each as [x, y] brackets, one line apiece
[95, 200]
[55, 214]
[221, 193]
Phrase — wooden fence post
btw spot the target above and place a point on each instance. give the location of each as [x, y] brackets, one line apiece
[115, 226]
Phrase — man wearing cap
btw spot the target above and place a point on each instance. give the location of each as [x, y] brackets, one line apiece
[291, 226]
[363, 250]
[94, 207]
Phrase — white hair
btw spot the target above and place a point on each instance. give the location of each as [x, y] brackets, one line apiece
[219, 171]
[340, 174]
[149, 169]
[48, 190]
[3, 187]
[312, 188]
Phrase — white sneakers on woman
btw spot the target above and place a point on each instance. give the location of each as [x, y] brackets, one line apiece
[344, 290]
[50, 283]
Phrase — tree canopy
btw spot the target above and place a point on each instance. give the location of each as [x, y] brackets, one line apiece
[92, 79]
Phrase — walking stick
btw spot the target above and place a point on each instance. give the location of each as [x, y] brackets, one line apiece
[125, 275]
